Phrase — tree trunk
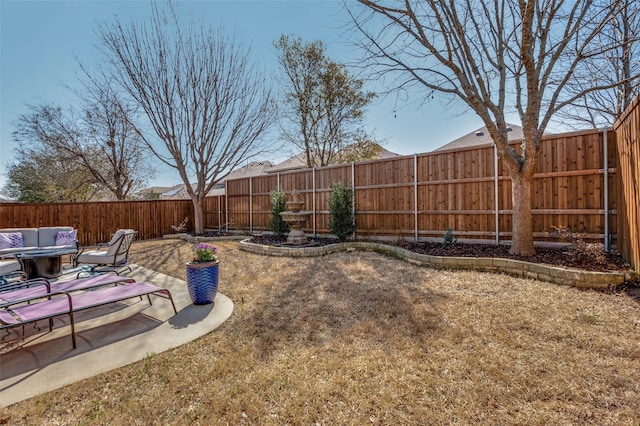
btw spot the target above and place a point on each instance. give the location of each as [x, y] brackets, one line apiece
[198, 216]
[522, 219]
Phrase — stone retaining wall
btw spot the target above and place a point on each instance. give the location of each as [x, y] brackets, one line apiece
[518, 268]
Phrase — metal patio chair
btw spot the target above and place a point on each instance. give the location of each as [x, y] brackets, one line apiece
[113, 259]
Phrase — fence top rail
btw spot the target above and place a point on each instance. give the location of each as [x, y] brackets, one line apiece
[421, 155]
[630, 109]
[80, 203]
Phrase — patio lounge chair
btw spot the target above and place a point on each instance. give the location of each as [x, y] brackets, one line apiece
[24, 311]
[113, 259]
[41, 287]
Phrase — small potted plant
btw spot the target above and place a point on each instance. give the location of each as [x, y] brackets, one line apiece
[202, 274]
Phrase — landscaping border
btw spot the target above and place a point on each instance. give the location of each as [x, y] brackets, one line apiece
[193, 239]
[518, 268]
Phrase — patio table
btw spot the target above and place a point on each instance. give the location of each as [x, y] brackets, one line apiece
[43, 263]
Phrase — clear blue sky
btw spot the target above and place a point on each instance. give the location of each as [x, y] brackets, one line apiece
[40, 40]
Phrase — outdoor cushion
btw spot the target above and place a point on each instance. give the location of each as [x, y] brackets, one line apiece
[116, 236]
[114, 244]
[11, 240]
[8, 266]
[97, 257]
[66, 238]
[29, 235]
[34, 239]
[47, 235]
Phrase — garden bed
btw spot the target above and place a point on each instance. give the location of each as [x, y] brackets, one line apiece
[554, 256]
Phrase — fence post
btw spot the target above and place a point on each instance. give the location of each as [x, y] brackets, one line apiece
[605, 153]
[415, 197]
[495, 193]
[250, 205]
[219, 214]
[313, 199]
[226, 207]
[353, 195]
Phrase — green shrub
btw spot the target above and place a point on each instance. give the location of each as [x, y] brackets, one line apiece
[340, 206]
[278, 204]
[448, 239]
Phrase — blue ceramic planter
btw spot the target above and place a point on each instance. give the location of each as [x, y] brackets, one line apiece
[202, 282]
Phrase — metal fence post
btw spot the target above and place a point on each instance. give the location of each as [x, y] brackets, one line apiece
[353, 195]
[250, 205]
[226, 207]
[605, 153]
[415, 197]
[313, 199]
[495, 193]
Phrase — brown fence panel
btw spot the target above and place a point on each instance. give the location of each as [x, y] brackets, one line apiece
[424, 195]
[456, 190]
[97, 221]
[324, 177]
[384, 197]
[627, 130]
[214, 212]
[261, 188]
[238, 201]
[568, 187]
[614, 196]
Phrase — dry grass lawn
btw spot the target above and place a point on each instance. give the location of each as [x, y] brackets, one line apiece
[360, 338]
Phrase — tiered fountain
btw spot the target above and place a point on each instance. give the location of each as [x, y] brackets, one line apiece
[295, 218]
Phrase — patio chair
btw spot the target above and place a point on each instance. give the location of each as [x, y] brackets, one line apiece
[30, 310]
[113, 259]
[11, 270]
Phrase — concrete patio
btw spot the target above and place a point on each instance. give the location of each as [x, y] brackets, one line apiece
[108, 337]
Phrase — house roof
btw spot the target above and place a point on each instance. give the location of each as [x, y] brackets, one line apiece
[481, 137]
[158, 189]
[385, 153]
[173, 191]
[177, 192]
[255, 168]
[252, 169]
[299, 161]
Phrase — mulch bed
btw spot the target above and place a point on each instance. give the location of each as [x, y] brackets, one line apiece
[565, 257]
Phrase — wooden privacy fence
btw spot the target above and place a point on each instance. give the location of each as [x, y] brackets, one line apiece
[586, 181]
[627, 130]
[97, 221]
[466, 190]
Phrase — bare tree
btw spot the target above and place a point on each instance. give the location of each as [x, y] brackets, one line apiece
[201, 96]
[494, 56]
[98, 140]
[120, 161]
[323, 101]
[620, 64]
